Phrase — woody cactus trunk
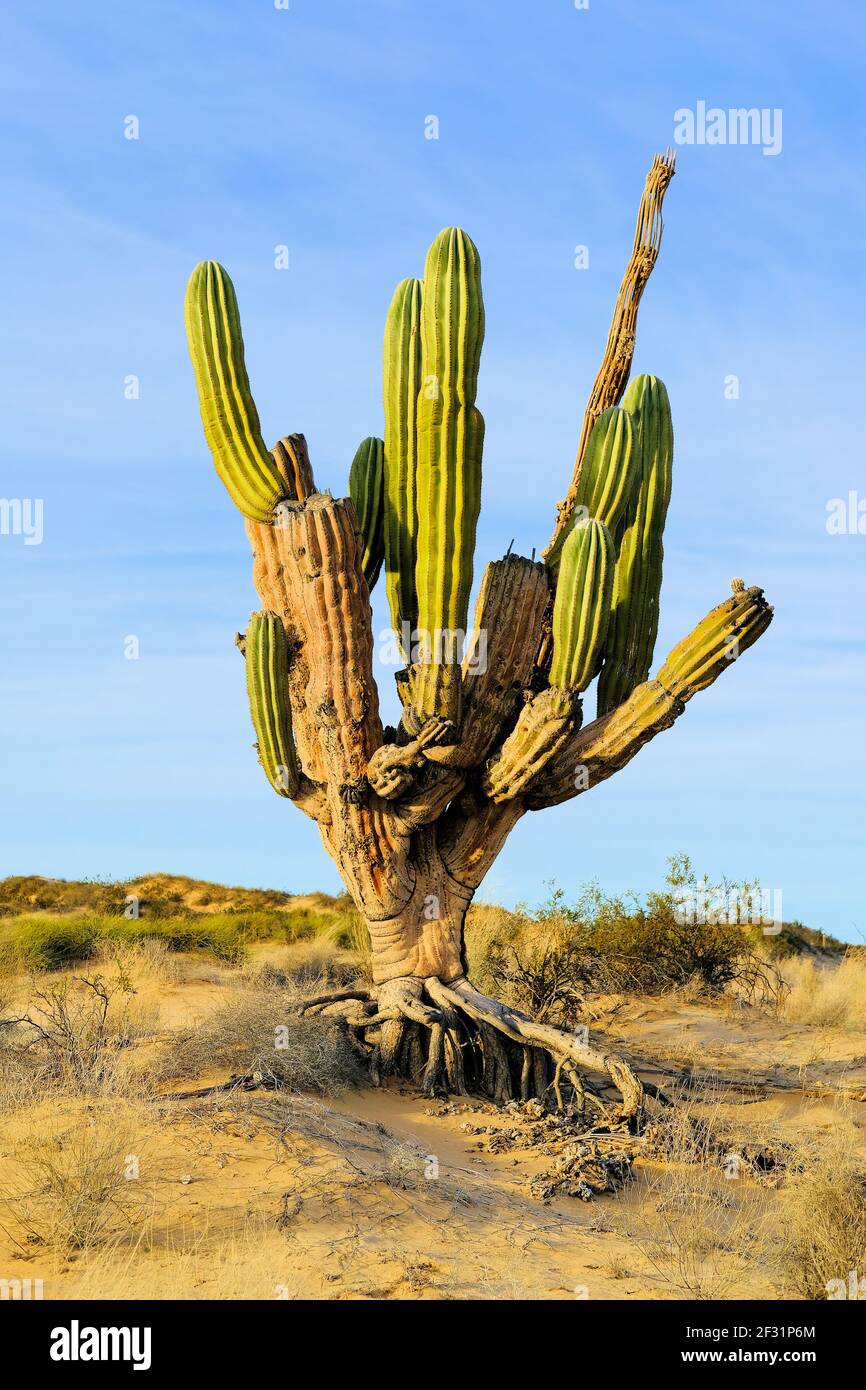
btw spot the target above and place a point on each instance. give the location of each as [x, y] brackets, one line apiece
[490, 729]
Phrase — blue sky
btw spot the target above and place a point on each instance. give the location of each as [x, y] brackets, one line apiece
[261, 127]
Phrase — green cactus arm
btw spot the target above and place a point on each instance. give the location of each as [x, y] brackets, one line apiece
[401, 376]
[266, 656]
[543, 729]
[450, 443]
[633, 627]
[228, 411]
[366, 489]
[725, 633]
[581, 610]
[608, 479]
[609, 742]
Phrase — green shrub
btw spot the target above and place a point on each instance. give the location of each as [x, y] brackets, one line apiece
[548, 960]
[45, 943]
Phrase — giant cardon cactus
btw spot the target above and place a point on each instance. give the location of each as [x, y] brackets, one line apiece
[491, 727]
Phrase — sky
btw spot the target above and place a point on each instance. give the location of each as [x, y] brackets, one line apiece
[307, 127]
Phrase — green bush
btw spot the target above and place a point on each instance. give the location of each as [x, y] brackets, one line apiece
[548, 960]
[45, 943]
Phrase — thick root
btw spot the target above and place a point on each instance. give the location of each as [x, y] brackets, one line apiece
[451, 1039]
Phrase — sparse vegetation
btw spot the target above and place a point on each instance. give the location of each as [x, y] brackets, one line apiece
[76, 1177]
[824, 1223]
[825, 996]
[549, 960]
[178, 914]
[92, 1075]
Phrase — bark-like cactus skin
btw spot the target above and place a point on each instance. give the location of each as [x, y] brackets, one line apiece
[634, 615]
[293, 465]
[450, 442]
[581, 610]
[366, 488]
[401, 374]
[608, 478]
[265, 652]
[228, 411]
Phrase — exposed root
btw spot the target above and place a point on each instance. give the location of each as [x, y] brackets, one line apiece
[451, 1039]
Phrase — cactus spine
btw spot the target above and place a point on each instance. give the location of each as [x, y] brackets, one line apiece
[401, 372]
[228, 411]
[637, 584]
[608, 478]
[265, 650]
[450, 441]
[366, 489]
[581, 610]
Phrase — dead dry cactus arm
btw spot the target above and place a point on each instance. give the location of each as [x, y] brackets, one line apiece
[610, 382]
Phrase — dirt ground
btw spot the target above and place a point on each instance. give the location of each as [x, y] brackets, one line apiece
[384, 1194]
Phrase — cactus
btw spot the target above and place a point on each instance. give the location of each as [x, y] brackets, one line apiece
[581, 610]
[293, 465]
[366, 492]
[401, 373]
[450, 441]
[608, 477]
[228, 411]
[725, 633]
[414, 816]
[637, 585]
[543, 728]
[266, 658]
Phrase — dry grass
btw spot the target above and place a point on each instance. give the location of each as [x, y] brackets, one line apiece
[257, 1032]
[248, 1261]
[76, 1035]
[76, 1178]
[825, 996]
[700, 1219]
[823, 1222]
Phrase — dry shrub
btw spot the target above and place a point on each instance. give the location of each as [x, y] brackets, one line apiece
[823, 1222]
[702, 1219]
[149, 959]
[247, 1261]
[825, 996]
[257, 1032]
[549, 960]
[75, 1035]
[77, 1179]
